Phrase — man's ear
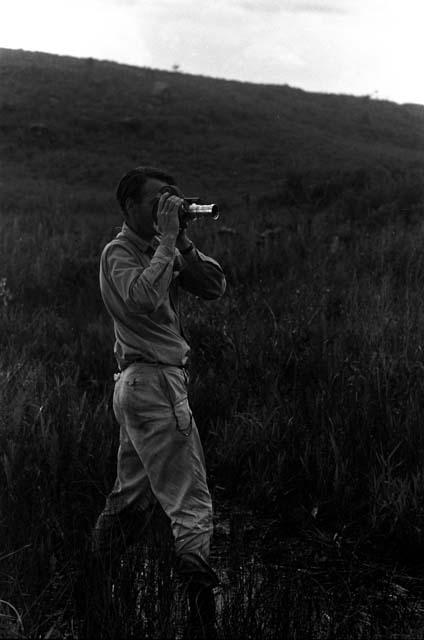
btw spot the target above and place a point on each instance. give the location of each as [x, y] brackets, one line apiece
[129, 206]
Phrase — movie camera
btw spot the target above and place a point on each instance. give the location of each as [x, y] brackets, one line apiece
[190, 209]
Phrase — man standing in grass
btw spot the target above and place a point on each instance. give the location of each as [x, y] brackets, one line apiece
[160, 457]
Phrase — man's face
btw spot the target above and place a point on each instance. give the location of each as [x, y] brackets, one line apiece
[140, 217]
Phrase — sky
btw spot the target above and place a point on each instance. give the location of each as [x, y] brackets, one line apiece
[359, 47]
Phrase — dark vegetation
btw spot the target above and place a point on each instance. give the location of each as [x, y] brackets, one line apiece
[307, 377]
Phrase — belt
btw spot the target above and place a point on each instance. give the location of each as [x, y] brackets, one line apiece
[116, 376]
[154, 364]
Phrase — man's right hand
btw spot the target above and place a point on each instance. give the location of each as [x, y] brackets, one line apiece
[168, 220]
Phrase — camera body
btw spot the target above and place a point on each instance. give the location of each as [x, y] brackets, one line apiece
[190, 209]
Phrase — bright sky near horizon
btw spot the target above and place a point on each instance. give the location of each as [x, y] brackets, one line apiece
[359, 47]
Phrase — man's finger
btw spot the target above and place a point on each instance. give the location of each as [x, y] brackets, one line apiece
[165, 196]
[173, 202]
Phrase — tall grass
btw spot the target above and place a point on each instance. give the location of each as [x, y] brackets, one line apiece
[306, 378]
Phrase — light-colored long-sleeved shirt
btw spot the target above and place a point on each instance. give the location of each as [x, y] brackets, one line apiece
[139, 284]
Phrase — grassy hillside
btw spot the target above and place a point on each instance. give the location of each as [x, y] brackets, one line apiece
[81, 123]
[306, 378]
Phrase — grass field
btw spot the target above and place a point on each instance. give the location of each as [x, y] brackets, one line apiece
[306, 377]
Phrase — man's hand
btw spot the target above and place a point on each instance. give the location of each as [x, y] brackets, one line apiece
[168, 220]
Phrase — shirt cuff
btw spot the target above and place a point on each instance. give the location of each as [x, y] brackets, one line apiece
[164, 253]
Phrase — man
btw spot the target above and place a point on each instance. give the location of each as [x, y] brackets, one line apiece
[160, 457]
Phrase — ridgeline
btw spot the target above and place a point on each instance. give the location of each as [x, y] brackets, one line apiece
[81, 123]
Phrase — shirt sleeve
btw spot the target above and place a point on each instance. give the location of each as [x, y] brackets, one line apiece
[142, 288]
[201, 275]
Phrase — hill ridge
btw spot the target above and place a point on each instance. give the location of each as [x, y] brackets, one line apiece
[83, 119]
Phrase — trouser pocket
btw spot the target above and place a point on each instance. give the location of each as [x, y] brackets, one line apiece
[183, 416]
[175, 388]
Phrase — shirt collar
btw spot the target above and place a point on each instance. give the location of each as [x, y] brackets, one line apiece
[141, 244]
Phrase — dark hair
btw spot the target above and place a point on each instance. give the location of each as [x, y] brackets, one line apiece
[132, 183]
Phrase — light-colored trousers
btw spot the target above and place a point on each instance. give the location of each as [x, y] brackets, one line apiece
[160, 455]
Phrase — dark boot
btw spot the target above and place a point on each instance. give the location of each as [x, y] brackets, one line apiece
[199, 581]
[101, 570]
[202, 615]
